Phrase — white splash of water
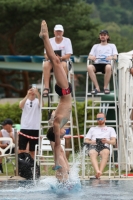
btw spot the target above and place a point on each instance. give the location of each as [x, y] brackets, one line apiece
[75, 168]
[73, 184]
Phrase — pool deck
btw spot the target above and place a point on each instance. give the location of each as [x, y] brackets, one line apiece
[18, 178]
[107, 178]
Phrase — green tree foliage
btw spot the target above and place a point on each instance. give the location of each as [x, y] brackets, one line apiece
[116, 17]
[118, 11]
[118, 35]
[82, 21]
[117, 14]
[127, 5]
[10, 111]
[20, 24]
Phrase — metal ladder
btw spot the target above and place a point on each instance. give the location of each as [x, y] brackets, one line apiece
[98, 105]
[52, 100]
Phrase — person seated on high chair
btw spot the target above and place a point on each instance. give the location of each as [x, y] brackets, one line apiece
[62, 88]
[98, 140]
[102, 54]
[64, 46]
[62, 174]
[6, 131]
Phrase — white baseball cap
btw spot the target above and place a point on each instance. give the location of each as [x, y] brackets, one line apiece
[58, 27]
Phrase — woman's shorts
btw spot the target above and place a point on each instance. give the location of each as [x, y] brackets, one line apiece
[24, 140]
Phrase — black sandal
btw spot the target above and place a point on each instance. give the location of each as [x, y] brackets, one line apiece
[106, 91]
[45, 94]
[95, 91]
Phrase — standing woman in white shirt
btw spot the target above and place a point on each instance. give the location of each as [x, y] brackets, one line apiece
[30, 121]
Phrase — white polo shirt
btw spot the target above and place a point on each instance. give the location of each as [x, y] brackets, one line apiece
[101, 132]
[103, 51]
[30, 118]
[65, 46]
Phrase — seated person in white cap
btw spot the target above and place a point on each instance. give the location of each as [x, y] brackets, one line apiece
[6, 131]
[63, 46]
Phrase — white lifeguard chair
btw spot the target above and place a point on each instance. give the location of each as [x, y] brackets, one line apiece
[101, 104]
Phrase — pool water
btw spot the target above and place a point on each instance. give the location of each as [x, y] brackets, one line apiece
[108, 189]
[47, 189]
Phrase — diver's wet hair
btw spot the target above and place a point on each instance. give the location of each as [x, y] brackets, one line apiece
[51, 135]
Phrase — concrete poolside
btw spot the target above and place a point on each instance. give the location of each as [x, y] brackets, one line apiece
[18, 178]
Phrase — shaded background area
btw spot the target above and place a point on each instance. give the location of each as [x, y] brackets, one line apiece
[82, 21]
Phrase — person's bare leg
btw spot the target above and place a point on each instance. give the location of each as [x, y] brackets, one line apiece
[57, 146]
[32, 153]
[65, 160]
[91, 72]
[64, 64]
[62, 173]
[105, 155]
[62, 116]
[63, 110]
[59, 72]
[27, 148]
[46, 74]
[107, 76]
[93, 156]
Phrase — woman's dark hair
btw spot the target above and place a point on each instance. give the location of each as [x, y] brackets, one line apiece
[50, 134]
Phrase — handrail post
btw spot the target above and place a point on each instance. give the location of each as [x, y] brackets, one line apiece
[16, 151]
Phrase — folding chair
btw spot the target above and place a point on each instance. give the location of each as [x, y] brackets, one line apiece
[9, 148]
[44, 154]
[85, 161]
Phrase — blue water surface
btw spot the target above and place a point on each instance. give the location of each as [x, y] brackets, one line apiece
[49, 189]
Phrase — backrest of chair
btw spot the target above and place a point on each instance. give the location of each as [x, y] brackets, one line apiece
[9, 147]
[63, 143]
[45, 145]
[45, 141]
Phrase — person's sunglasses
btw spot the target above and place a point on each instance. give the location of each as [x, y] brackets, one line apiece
[31, 104]
[100, 119]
